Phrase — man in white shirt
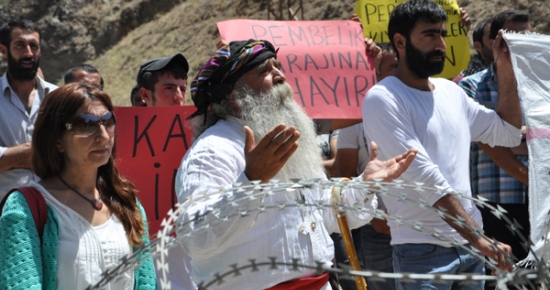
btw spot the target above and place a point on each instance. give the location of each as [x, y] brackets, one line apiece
[410, 109]
[248, 127]
[21, 92]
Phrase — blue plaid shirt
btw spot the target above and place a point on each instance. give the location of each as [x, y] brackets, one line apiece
[486, 178]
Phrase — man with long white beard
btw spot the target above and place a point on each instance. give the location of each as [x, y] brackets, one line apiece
[248, 127]
[21, 92]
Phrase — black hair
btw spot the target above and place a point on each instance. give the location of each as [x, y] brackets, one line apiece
[150, 78]
[8, 27]
[506, 16]
[404, 17]
[135, 90]
[70, 77]
[477, 35]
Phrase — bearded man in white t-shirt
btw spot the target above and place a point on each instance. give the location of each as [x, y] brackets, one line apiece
[413, 110]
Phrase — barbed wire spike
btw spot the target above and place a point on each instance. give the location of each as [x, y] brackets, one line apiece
[218, 278]
[273, 263]
[254, 266]
[236, 270]
[295, 263]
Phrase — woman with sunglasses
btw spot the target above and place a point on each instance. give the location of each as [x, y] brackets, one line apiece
[94, 216]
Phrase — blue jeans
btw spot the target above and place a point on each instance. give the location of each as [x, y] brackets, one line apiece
[377, 256]
[433, 259]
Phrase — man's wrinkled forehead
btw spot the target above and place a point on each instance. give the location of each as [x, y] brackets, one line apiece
[22, 33]
[263, 66]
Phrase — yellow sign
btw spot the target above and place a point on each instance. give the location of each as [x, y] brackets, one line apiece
[375, 16]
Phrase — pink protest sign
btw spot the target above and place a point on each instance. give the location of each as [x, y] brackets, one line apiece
[324, 61]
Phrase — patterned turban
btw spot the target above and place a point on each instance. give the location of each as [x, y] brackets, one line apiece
[217, 77]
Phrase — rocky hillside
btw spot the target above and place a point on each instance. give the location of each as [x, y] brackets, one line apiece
[76, 31]
[117, 35]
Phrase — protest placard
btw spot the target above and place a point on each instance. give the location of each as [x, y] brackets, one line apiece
[375, 16]
[324, 61]
[150, 144]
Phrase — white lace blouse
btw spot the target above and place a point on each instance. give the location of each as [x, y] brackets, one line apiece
[84, 251]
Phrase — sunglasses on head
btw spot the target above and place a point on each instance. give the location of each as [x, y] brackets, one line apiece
[87, 124]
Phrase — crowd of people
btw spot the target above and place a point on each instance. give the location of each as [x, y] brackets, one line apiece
[67, 214]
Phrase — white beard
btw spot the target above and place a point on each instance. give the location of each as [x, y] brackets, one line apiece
[261, 112]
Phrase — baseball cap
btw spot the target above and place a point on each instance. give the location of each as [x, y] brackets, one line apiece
[159, 63]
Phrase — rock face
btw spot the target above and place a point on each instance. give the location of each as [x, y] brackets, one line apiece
[76, 31]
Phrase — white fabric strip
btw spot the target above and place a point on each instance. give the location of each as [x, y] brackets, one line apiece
[531, 60]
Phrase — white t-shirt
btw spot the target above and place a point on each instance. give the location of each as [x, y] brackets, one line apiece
[352, 137]
[440, 124]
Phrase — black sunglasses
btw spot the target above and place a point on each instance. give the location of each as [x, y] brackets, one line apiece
[88, 125]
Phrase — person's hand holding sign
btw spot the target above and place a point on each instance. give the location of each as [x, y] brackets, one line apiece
[465, 19]
[356, 18]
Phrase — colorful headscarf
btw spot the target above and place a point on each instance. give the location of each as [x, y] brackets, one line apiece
[217, 77]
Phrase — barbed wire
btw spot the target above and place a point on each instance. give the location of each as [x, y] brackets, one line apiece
[175, 225]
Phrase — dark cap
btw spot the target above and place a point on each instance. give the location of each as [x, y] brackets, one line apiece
[159, 63]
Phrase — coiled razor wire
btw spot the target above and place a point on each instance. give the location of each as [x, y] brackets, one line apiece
[536, 276]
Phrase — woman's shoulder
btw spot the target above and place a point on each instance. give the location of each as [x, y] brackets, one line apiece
[15, 202]
[18, 231]
[17, 206]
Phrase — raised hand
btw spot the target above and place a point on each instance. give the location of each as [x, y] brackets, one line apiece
[465, 19]
[500, 50]
[356, 18]
[387, 170]
[265, 159]
[221, 43]
[371, 48]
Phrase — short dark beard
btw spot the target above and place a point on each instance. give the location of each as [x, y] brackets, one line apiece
[486, 54]
[419, 62]
[18, 72]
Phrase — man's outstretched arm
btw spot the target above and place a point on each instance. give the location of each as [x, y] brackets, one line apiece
[469, 230]
[16, 157]
[505, 158]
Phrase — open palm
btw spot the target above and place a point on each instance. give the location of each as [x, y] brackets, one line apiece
[387, 170]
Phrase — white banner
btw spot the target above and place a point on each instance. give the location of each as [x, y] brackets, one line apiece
[531, 60]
